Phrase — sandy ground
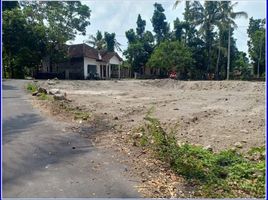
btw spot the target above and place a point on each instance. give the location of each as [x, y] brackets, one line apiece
[199, 112]
[208, 113]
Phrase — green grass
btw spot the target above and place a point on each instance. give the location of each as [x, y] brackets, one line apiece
[44, 96]
[31, 87]
[81, 115]
[224, 174]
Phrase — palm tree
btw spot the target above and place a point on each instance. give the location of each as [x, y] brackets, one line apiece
[97, 41]
[227, 21]
[206, 17]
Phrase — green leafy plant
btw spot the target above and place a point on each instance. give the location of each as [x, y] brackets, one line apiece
[44, 96]
[223, 174]
[31, 87]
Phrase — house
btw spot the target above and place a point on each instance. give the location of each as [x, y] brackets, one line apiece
[85, 62]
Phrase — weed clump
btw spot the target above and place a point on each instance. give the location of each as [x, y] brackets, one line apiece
[44, 96]
[224, 174]
[31, 87]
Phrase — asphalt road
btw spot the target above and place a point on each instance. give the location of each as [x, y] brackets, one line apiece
[39, 161]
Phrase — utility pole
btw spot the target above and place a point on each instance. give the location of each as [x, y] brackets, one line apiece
[228, 61]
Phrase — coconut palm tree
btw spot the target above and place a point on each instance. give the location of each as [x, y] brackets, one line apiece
[205, 16]
[97, 41]
[227, 22]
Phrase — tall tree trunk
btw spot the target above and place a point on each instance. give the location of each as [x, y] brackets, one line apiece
[208, 41]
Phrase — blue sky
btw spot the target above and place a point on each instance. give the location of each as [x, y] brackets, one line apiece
[118, 16]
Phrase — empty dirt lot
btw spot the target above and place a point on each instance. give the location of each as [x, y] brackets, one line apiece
[215, 113]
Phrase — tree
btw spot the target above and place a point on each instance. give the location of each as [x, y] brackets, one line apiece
[179, 32]
[108, 42]
[160, 26]
[256, 44]
[172, 55]
[111, 42]
[137, 56]
[41, 29]
[242, 65]
[62, 20]
[138, 52]
[9, 5]
[203, 16]
[131, 36]
[140, 26]
[23, 43]
[227, 23]
[97, 41]
[193, 39]
[189, 26]
[140, 46]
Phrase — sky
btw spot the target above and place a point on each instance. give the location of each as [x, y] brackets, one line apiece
[118, 16]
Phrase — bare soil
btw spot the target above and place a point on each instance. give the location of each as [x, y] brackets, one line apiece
[214, 113]
[200, 112]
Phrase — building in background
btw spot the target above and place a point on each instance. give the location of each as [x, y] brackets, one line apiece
[85, 62]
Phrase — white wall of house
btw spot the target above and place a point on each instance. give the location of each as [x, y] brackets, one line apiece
[114, 61]
[90, 61]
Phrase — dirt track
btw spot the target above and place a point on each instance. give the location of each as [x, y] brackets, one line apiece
[201, 112]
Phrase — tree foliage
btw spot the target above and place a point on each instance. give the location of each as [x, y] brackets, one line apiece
[140, 46]
[140, 26]
[97, 41]
[111, 42]
[173, 56]
[34, 30]
[160, 25]
[256, 44]
[108, 42]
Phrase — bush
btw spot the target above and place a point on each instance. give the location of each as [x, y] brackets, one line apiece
[223, 174]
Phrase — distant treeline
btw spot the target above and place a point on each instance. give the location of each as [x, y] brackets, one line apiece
[201, 43]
